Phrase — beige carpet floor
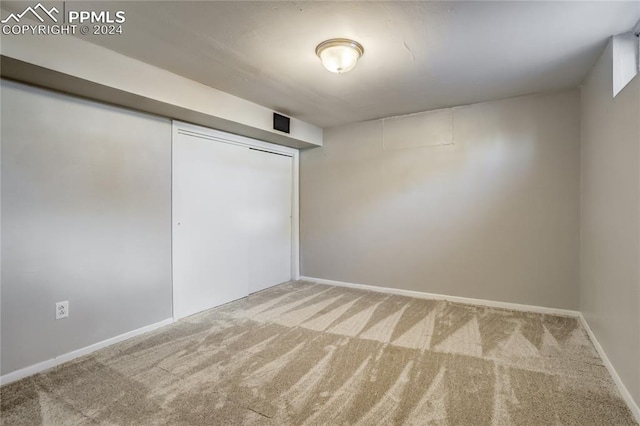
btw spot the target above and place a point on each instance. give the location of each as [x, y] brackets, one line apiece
[303, 353]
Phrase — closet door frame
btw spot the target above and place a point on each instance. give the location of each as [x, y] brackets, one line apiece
[181, 128]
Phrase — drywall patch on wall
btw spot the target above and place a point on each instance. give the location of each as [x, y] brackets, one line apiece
[423, 129]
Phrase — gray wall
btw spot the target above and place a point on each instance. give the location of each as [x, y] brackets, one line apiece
[86, 217]
[610, 225]
[495, 216]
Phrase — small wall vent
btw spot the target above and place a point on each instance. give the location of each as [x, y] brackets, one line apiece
[281, 123]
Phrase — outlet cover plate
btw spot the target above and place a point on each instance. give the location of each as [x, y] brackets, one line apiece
[62, 309]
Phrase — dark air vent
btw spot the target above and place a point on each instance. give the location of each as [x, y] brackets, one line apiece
[280, 122]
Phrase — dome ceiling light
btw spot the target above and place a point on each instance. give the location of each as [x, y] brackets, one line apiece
[339, 55]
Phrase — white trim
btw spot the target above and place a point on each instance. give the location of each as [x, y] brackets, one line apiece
[179, 127]
[457, 299]
[295, 219]
[633, 406]
[45, 365]
[220, 136]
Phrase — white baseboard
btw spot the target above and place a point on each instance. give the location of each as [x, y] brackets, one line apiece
[457, 299]
[513, 306]
[45, 365]
[633, 406]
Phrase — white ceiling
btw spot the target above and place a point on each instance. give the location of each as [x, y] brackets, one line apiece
[418, 55]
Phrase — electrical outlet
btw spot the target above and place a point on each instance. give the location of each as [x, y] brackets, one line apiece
[62, 309]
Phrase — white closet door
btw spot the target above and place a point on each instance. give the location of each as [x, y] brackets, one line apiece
[270, 211]
[210, 238]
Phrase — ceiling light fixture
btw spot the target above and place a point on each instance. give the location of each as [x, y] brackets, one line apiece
[339, 55]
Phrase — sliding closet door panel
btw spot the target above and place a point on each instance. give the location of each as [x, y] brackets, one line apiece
[270, 209]
[210, 241]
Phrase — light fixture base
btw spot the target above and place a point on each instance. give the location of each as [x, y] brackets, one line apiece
[339, 55]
